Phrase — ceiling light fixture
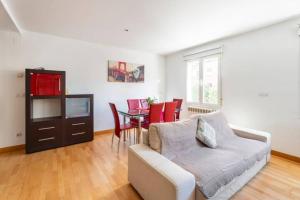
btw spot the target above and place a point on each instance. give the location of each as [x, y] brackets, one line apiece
[126, 30]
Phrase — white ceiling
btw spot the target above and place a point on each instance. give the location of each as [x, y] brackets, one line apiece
[158, 26]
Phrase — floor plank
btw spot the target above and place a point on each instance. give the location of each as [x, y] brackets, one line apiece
[94, 170]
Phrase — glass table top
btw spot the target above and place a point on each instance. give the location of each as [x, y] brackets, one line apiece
[138, 112]
[134, 113]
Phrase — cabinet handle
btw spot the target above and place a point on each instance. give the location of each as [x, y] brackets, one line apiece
[78, 124]
[80, 133]
[46, 128]
[46, 139]
[59, 85]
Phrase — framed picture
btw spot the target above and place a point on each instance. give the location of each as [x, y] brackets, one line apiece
[119, 71]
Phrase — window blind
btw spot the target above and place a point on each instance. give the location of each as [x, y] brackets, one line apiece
[202, 53]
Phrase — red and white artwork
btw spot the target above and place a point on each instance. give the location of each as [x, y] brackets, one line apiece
[119, 71]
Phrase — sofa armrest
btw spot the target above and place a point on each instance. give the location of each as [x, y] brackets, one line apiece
[155, 177]
[252, 134]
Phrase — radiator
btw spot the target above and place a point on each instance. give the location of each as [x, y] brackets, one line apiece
[194, 109]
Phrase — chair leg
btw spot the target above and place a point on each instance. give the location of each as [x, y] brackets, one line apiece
[123, 133]
[137, 136]
[134, 132]
[124, 137]
[129, 137]
[112, 138]
[119, 145]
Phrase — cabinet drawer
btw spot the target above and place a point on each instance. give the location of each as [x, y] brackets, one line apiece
[78, 130]
[43, 129]
[45, 135]
[77, 125]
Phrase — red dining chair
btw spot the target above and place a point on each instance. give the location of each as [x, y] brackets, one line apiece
[144, 104]
[118, 127]
[169, 112]
[154, 114]
[133, 104]
[178, 107]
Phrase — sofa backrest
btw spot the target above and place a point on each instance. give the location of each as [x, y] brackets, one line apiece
[169, 138]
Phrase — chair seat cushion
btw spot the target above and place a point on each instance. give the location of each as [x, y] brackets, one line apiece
[134, 121]
[127, 126]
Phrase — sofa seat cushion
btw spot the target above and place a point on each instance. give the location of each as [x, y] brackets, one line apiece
[215, 168]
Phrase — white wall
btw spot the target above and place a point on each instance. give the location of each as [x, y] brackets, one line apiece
[263, 61]
[86, 71]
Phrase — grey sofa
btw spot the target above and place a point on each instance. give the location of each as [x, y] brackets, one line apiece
[173, 165]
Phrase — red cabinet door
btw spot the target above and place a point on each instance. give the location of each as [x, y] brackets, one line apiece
[45, 84]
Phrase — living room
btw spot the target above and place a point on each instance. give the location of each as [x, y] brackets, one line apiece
[236, 61]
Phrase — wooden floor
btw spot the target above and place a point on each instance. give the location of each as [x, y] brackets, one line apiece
[93, 171]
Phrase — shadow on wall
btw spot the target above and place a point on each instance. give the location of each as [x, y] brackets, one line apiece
[12, 107]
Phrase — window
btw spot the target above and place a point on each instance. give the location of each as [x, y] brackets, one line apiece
[203, 80]
[193, 81]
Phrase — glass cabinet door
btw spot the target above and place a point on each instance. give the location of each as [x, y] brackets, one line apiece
[77, 107]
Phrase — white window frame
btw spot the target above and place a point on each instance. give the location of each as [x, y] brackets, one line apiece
[200, 101]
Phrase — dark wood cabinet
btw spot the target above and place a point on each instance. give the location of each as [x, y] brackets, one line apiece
[70, 117]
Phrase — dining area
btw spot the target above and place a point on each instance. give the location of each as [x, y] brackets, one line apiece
[138, 116]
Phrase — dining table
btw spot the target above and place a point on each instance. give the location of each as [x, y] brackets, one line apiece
[138, 114]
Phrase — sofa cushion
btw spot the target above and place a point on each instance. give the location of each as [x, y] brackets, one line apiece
[172, 138]
[145, 137]
[206, 134]
[154, 138]
[218, 121]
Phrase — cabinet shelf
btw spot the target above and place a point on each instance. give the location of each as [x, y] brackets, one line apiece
[46, 97]
[44, 119]
[77, 116]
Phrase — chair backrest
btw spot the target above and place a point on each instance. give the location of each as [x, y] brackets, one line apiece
[178, 107]
[169, 112]
[155, 112]
[144, 104]
[116, 119]
[133, 104]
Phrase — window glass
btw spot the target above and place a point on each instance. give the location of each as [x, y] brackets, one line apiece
[193, 80]
[203, 80]
[210, 80]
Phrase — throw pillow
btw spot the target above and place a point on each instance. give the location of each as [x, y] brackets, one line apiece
[206, 134]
